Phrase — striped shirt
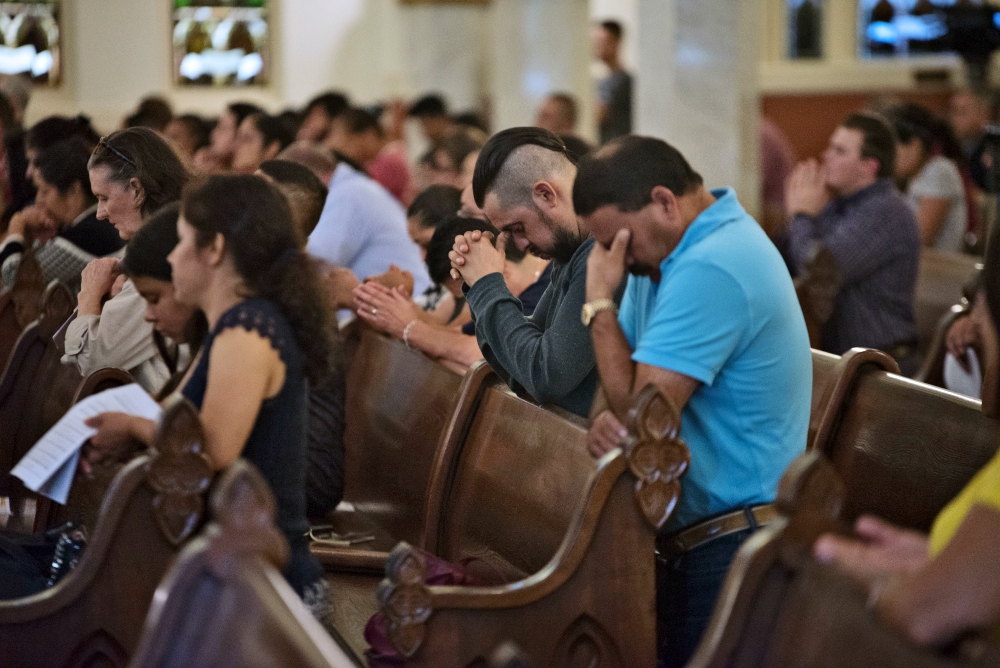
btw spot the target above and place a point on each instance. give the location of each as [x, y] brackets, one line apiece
[874, 237]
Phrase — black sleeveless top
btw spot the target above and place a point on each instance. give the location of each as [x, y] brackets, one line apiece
[277, 444]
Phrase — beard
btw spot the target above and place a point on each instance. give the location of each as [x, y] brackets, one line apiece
[564, 243]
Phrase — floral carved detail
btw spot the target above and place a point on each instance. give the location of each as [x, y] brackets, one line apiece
[404, 599]
[179, 472]
[586, 643]
[244, 510]
[656, 455]
[811, 495]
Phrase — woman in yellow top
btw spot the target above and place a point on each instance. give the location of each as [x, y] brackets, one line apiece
[934, 588]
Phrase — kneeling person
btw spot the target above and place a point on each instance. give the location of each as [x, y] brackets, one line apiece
[710, 317]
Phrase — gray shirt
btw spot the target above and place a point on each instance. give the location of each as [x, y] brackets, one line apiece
[615, 92]
[549, 354]
[941, 178]
[873, 236]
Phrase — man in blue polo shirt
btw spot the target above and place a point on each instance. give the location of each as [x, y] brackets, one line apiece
[709, 316]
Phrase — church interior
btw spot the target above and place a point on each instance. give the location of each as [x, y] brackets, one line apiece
[500, 333]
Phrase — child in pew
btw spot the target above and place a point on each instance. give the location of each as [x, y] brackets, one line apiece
[238, 260]
[133, 173]
[526, 275]
[935, 588]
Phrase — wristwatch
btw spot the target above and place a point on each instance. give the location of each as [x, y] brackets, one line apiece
[590, 309]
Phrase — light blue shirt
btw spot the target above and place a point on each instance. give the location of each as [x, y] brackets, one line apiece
[725, 313]
[363, 228]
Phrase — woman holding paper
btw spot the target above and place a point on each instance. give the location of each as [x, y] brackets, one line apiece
[238, 261]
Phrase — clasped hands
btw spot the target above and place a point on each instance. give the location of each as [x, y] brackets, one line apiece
[806, 189]
[35, 220]
[99, 278]
[474, 256]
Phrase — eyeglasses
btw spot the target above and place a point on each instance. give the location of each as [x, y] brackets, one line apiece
[105, 143]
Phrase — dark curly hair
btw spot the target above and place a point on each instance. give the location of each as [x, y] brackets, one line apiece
[256, 223]
[140, 153]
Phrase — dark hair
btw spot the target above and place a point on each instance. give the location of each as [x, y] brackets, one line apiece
[576, 148]
[472, 119]
[934, 133]
[65, 163]
[272, 130]
[457, 146]
[153, 112]
[291, 119]
[140, 153]
[147, 251]
[438, 264]
[333, 104]
[298, 182]
[357, 121]
[878, 140]
[613, 27]
[434, 205]
[624, 172]
[429, 105]
[256, 223]
[53, 129]
[241, 110]
[7, 120]
[495, 152]
[197, 127]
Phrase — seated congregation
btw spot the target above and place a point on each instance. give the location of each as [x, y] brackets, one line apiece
[526, 403]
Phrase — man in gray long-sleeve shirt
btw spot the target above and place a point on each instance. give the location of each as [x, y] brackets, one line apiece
[870, 231]
[524, 182]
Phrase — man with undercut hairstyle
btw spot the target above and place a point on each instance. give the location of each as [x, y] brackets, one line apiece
[711, 319]
[523, 181]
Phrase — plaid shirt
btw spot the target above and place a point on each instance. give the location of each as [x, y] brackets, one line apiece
[875, 239]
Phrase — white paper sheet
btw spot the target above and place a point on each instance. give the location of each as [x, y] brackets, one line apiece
[49, 466]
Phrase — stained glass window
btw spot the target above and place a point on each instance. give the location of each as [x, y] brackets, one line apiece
[805, 28]
[904, 27]
[220, 42]
[29, 40]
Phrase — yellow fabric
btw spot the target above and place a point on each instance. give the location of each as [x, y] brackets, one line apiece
[983, 489]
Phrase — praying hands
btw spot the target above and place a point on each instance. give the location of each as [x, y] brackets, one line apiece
[474, 256]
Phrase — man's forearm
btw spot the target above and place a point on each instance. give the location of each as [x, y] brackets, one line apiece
[439, 341]
[614, 361]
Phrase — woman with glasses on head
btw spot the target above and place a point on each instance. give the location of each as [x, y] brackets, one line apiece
[132, 174]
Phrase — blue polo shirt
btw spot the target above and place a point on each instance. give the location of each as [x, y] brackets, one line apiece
[725, 313]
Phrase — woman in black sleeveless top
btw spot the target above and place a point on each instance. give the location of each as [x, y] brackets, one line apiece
[238, 261]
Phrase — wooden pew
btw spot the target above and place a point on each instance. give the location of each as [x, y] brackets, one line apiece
[225, 602]
[902, 448]
[21, 304]
[939, 286]
[35, 391]
[555, 536]
[94, 615]
[406, 415]
[779, 608]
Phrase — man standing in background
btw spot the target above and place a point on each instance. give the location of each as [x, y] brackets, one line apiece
[614, 92]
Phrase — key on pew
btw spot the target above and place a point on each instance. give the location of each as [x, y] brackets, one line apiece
[35, 391]
[903, 448]
[94, 615]
[779, 608]
[567, 541]
[405, 416]
[225, 602]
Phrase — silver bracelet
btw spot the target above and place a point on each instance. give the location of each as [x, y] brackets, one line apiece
[406, 334]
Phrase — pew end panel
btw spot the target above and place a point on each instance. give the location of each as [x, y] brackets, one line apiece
[93, 615]
[406, 418]
[572, 582]
[780, 608]
[225, 603]
[940, 280]
[21, 304]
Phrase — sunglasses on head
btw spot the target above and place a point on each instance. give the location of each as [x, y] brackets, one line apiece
[105, 143]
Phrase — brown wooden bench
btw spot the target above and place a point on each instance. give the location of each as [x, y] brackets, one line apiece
[35, 391]
[225, 602]
[406, 415]
[556, 537]
[21, 304]
[903, 448]
[93, 616]
[940, 281]
[779, 608]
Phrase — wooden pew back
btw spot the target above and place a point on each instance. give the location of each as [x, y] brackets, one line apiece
[518, 480]
[825, 370]
[940, 281]
[224, 603]
[399, 403]
[21, 304]
[94, 615]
